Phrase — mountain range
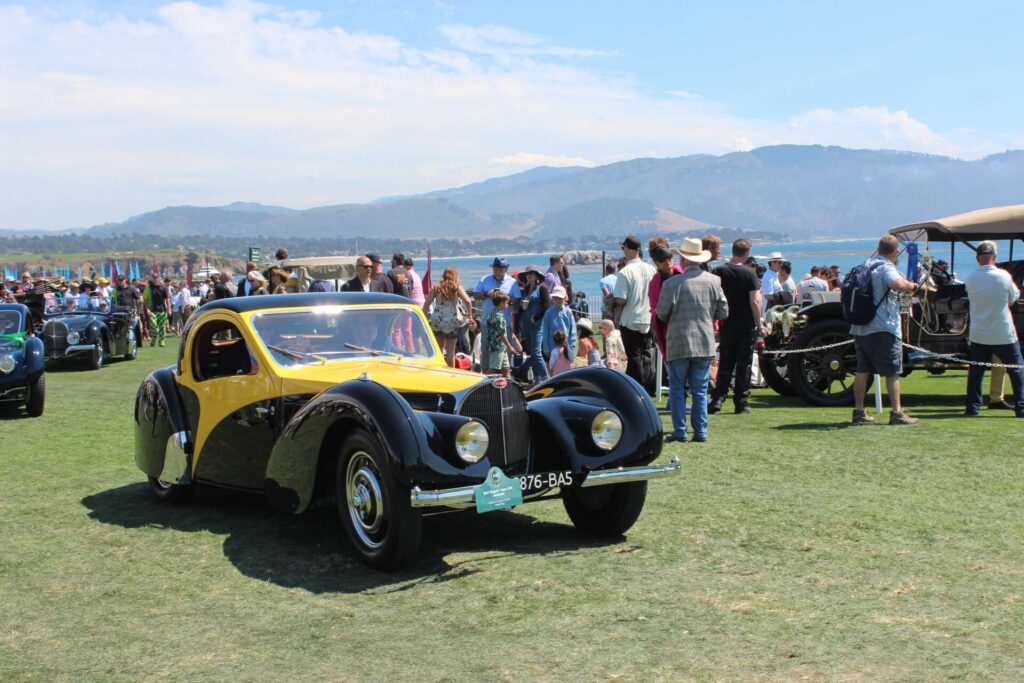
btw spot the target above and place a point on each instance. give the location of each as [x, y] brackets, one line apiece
[804, 192]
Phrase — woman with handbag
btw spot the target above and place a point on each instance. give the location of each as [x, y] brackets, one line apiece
[452, 311]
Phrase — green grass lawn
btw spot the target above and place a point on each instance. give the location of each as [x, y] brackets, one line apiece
[792, 547]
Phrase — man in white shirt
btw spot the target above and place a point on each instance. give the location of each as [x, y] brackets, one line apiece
[991, 292]
[815, 283]
[770, 281]
[633, 311]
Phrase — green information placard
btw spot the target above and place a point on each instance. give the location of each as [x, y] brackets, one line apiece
[254, 254]
[497, 492]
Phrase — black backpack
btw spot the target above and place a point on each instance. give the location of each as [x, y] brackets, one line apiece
[858, 296]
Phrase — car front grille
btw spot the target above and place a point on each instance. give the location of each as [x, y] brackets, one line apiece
[55, 337]
[503, 410]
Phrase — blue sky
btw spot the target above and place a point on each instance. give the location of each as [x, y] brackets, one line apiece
[108, 109]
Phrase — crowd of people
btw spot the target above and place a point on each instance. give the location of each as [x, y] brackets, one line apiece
[525, 323]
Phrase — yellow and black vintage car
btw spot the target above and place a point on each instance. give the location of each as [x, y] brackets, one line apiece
[347, 396]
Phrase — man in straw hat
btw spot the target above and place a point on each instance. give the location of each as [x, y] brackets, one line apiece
[770, 282]
[689, 305]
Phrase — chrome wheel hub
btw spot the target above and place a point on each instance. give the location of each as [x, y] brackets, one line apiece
[365, 500]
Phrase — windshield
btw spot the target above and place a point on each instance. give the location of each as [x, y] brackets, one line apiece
[80, 304]
[10, 322]
[327, 333]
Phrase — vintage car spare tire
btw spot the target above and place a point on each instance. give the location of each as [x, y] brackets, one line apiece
[375, 510]
[824, 378]
[605, 510]
[36, 397]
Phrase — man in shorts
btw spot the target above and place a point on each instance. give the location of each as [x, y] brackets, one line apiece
[879, 343]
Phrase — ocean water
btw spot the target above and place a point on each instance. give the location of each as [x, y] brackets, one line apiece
[844, 253]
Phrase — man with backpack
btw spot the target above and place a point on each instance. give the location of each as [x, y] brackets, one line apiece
[871, 303]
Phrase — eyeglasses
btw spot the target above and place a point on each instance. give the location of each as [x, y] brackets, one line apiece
[364, 267]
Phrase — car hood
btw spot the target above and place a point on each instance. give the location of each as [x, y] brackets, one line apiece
[402, 375]
[77, 322]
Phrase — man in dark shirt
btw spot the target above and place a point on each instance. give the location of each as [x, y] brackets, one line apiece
[401, 282]
[379, 282]
[220, 290]
[739, 331]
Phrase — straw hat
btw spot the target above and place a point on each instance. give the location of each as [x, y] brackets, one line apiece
[692, 252]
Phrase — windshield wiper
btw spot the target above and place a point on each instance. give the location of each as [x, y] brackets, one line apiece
[297, 355]
[372, 352]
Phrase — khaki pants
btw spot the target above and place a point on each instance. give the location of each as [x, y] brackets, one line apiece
[996, 382]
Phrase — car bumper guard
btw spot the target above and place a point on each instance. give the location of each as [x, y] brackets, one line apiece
[464, 496]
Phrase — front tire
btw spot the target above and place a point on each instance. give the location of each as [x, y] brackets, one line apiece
[171, 493]
[36, 397]
[775, 375]
[375, 510]
[97, 356]
[824, 378]
[605, 510]
[133, 345]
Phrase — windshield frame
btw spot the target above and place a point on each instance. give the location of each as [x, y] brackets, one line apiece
[19, 329]
[322, 357]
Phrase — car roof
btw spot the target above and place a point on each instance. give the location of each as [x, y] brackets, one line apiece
[245, 304]
[997, 223]
[20, 308]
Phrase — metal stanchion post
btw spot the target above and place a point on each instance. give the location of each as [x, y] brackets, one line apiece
[657, 373]
[878, 394]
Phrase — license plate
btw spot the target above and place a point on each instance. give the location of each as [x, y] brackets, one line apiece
[531, 483]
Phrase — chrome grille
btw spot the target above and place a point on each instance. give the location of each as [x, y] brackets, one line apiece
[55, 335]
[504, 413]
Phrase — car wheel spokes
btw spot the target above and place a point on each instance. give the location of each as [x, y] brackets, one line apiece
[365, 498]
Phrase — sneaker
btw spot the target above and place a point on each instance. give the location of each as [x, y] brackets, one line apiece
[700, 439]
[1000, 405]
[971, 413]
[714, 406]
[162, 344]
[901, 418]
[672, 438]
[861, 417]
[742, 409]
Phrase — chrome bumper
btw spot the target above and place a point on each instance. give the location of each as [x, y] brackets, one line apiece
[69, 350]
[463, 497]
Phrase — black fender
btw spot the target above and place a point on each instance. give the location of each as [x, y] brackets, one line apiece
[413, 442]
[162, 429]
[35, 358]
[564, 406]
[823, 311]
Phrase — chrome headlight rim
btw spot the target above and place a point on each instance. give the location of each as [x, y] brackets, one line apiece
[471, 441]
[73, 337]
[606, 430]
[7, 363]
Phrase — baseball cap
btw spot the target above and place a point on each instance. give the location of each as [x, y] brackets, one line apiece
[499, 262]
[559, 292]
[374, 257]
[632, 242]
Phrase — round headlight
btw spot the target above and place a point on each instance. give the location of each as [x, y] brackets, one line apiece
[7, 363]
[471, 441]
[73, 337]
[606, 430]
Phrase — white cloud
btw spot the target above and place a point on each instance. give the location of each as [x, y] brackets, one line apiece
[101, 118]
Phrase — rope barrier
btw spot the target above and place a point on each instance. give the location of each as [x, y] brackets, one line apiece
[931, 354]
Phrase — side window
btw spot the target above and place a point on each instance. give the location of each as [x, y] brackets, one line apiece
[220, 351]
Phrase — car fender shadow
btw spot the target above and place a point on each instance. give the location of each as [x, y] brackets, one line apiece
[310, 551]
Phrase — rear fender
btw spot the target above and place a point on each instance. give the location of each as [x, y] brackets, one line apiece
[163, 438]
[823, 311]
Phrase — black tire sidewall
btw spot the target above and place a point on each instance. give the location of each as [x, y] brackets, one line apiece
[404, 524]
[606, 510]
[36, 401]
[795, 373]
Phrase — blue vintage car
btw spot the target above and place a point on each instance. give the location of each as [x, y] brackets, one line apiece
[22, 378]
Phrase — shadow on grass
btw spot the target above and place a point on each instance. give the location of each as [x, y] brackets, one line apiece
[814, 426]
[310, 551]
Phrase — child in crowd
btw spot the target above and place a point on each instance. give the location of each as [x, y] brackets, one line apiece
[499, 348]
[560, 360]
